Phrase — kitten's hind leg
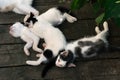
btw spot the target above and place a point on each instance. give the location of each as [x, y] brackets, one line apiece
[41, 59]
[28, 44]
[97, 30]
[35, 40]
[26, 47]
[35, 45]
[104, 33]
[25, 9]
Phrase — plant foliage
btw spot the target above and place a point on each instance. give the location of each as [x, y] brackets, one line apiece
[110, 8]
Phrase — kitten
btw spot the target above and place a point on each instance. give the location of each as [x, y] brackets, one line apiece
[18, 6]
[54, 16]
[51, 35]
[86, 47]
[19, 30]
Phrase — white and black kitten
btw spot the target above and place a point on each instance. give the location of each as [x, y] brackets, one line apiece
[53, 16]
[86, 47]
[51, 36]
[31, 36]
[19, 30]
[18, 6]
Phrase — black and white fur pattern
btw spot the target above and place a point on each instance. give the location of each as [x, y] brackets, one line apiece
[54, 16]
[54, 39]
[86, 47]
[18, 6]
[31, 36]
[19, 30]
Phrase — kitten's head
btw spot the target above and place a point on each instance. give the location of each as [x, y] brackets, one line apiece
[30, 19]
[15, 29]
[64, 58]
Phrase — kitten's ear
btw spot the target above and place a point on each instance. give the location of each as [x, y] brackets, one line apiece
[65, 53]
[31, 14]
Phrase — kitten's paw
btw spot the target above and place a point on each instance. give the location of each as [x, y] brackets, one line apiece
[34, 63]
[38, 55]
[27, 53]
[97, 30]
[41, 51]
[72, 19]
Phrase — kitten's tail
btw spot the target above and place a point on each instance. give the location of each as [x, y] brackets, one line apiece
[67, 13]
[48, 66]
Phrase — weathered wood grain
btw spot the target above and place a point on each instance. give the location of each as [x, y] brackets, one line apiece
[5, 37]
[12, 57]
[91, 70]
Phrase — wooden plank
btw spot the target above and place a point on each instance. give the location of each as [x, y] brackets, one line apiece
[5, 37]
[12, 55]
[91, 70]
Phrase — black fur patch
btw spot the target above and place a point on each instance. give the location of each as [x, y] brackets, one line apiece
[69, 58]
[23, 23]
[85, 43]
[49, 65]
[31, 18]
[78, 51]
[99, 46]
[63, 9]
[48, 54]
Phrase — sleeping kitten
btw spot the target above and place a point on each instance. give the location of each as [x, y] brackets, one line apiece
[19, 30]
[54, 16]
[51, 35]
[18, 6]
[86, 47]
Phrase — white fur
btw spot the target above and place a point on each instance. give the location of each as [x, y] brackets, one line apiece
[54, 17]
[19, 30]
[60, 63]
[54, 39]
[71, 46]
[17, 6]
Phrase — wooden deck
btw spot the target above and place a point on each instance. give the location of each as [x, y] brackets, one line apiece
[12, 58]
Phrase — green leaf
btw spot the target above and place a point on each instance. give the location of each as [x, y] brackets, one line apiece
[112, 10]
[77, 4]
[117, 1]
[100, 18]
[96, 7]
